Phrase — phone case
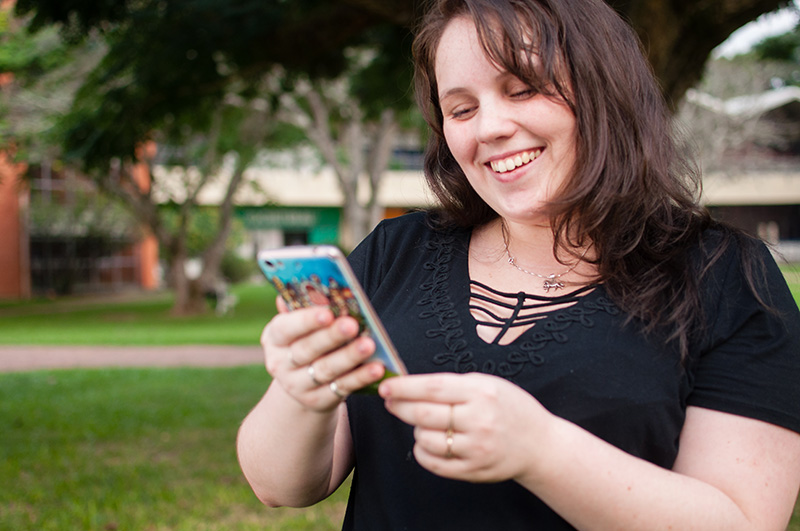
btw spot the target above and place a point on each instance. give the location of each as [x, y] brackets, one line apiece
[320, 275]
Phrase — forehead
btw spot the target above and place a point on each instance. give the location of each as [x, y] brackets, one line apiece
[459, 54]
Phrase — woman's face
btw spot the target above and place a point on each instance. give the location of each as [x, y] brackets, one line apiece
[515, 146]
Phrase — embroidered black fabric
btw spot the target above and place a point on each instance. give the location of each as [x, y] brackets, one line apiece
[526, 309]
[580, 360]
[449, 326]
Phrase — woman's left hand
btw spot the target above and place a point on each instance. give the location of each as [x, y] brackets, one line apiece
[472, 427]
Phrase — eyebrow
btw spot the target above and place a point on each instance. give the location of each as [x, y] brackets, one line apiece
[452, 92]
[502, 75]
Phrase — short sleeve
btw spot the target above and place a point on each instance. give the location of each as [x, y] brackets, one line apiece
[366, 259]
[386, 247]
[749, 363]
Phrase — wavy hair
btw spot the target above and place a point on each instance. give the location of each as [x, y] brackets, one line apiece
[631, 192]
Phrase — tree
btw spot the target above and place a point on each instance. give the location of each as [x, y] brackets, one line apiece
[164, 38]
[738, 117]
[171, 65]
[353, 121]
[679, 35]
[56, 86]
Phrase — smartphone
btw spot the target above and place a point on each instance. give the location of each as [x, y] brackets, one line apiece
[309, 275]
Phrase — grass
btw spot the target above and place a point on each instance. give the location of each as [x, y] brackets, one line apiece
[136, 320]
[792, 275]
[138, 449]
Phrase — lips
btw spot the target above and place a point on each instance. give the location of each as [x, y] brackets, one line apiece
[514, 162]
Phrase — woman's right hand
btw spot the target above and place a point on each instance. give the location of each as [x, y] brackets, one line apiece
[318, 359]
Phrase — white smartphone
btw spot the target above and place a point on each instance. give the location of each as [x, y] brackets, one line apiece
[309, 275]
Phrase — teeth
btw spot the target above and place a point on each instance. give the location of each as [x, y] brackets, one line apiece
[511, 163]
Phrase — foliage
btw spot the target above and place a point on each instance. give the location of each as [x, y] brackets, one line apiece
[85, 213]
[201, 229]
[42, 75]
[236, 269]
[173, 63]
[783, 48]
[723, 116]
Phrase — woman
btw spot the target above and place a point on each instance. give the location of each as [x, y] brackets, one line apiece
[588, 349]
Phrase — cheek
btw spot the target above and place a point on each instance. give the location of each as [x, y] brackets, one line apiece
[458, 142]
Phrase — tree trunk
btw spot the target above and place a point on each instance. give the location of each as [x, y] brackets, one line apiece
[189, 296]
[679, 35]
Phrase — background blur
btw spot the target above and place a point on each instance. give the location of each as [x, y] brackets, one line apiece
[149, 149]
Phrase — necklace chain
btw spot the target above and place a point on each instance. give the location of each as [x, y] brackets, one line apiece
[552, 281]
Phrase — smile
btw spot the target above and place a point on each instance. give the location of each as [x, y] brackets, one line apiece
[512, 163]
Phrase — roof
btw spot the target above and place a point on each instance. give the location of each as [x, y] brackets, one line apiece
[286, 187]
[407, 189]
[746, 106]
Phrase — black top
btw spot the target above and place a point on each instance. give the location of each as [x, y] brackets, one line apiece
[581, 362]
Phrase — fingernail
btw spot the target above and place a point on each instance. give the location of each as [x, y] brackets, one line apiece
[383, 390]
[365, 346]
[345, 326]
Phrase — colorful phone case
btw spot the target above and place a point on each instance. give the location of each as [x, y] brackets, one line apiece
[320, 275]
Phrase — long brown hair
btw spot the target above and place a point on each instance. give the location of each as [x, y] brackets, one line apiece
[632, 193]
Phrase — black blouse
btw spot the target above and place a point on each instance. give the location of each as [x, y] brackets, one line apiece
[581, 361]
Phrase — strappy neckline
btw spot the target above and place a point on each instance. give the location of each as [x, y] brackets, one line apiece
[525, 309]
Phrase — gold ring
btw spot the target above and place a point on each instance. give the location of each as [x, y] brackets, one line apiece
[448, 434]
[334, 387]
[449, 441]
[313, 376]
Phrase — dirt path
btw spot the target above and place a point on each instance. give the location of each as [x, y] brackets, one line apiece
[26, 358]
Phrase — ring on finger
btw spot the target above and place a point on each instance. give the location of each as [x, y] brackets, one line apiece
[448, 434]
[334, 387]
[449, 442]
[313, 375]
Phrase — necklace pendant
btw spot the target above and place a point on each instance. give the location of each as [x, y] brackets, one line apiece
[553, 284]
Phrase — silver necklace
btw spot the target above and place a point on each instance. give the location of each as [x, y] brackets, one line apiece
[552, 281]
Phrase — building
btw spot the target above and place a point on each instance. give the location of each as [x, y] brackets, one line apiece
[45, 252]
[282, 206]
[755, 181]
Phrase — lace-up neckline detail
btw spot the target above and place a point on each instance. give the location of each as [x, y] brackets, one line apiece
[524, 337]
[508, 315]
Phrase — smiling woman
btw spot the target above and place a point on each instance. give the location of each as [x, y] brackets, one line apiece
[588, 349]
[492, 119]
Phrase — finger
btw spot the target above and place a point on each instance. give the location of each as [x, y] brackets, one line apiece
[285, 328]
[345, 359]
[359, 378]
[448, 388]
[336, 365]
[324, 397]
[429, 415]
[324, 340]
[441, 445]
[437, 463]
[281, 304]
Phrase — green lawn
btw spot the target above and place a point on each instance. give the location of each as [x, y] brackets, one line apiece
[792, 274]
[135, 320]
[134, 449]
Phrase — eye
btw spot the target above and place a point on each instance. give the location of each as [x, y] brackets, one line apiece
[523, 93]
[461, 112]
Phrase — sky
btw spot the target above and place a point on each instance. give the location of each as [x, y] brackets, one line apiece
[766, 25]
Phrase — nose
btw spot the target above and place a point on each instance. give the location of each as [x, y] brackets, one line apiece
[496, 121]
